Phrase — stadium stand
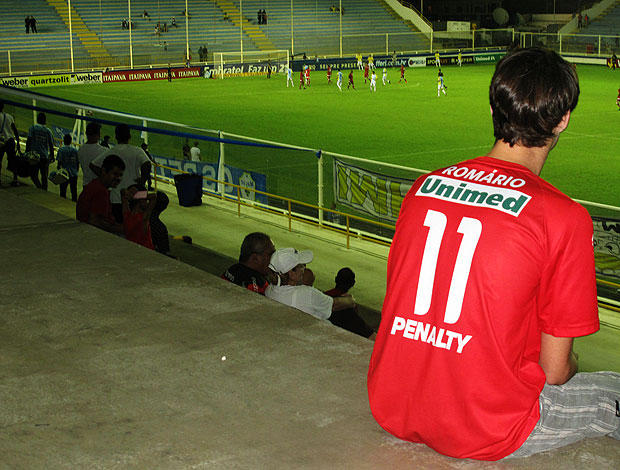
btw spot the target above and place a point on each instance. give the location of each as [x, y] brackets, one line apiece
[46, 50]
[100, 41]
[606, 24]
[315, 27]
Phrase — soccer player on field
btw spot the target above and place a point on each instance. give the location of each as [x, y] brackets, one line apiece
[289, 77]
[437, 60]
[371, 61]
[360, 65]
[302, 80]
[440, 84]
[329, 74]
[366, 72]
[307, 76]
[402, 74]
[373, 81]
[490, 278]
[350, 80]
[339, 82]
[459, 59]
[618, 99]
[384, 78]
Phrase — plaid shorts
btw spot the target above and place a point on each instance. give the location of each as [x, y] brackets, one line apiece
[588, 405]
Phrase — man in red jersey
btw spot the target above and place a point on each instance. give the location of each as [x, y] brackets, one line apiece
[93, 206]
[402, 74]
[490, 277]
[351, 84]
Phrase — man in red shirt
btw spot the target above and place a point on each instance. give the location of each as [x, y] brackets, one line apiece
[351, 84]
[490, 277]
[93, 206]
[402, 74]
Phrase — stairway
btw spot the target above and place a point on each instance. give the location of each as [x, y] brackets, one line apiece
[395, 15]
[251, 30]
[88, 38]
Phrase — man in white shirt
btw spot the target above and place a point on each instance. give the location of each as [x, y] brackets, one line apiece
[290, 264]
[194, 152]
[90, 151]
[137, 167]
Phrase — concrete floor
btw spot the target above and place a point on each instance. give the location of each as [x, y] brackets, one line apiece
[112, 356]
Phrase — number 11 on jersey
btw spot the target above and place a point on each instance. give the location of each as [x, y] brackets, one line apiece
[471, 230]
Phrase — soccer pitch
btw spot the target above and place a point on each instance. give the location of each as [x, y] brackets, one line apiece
[404, 124]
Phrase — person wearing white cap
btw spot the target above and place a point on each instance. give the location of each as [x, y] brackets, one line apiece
[290, 264]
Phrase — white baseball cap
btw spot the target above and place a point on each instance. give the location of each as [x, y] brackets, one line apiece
[282, 261]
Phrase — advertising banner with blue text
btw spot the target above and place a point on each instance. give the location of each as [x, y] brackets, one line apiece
[244, 178]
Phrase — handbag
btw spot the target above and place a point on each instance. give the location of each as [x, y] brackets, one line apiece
[59, 176]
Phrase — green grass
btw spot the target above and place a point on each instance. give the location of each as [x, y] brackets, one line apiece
[404, 124]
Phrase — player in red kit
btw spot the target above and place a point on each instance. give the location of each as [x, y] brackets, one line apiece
[307, 76]
[490, 278]
[301, 79]
[350, 84]
[618, 99]
[366, 72]
[402, 74]
[329, 74]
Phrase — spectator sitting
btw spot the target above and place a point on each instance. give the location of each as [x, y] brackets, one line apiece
[173, 22]
[89, 151]
[93, 206]
[225, 17]
[159, 231]
[67, 158]
[145, 14]
[137, 166]
[252, 270]
[289, 264]
[106, 141]
[137, 209]
[348, 319]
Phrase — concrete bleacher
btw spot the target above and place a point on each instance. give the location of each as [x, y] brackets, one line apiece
[606, 24]
[46, 50]
[316, 27]
[115, 357]
[205, 28]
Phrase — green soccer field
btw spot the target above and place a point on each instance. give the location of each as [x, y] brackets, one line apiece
[405, 124]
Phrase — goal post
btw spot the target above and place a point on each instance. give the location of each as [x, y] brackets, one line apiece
[278, 59]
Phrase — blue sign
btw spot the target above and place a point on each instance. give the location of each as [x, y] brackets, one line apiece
[245, 178]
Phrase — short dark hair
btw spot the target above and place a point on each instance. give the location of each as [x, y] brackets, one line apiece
[161, 203]
[67, 139]
[531, 91]
[93, 128]
[122, 133]
[345, 279]
[256, 242]
[112, 161]
[41, 118]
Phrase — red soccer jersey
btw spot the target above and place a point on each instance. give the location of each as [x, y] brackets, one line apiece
[95, 199]
[486, 255]
[402, 71]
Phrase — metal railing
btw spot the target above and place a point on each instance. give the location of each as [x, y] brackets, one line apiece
[329, 224]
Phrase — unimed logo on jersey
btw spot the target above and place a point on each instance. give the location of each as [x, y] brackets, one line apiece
[505, 200]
